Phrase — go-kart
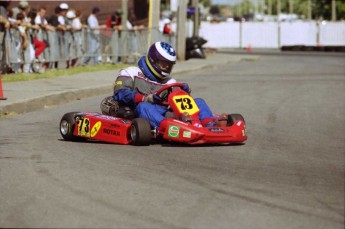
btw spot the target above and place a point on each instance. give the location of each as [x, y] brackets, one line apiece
[77, 126]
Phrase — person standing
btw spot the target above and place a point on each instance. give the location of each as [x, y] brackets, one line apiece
[93, 37]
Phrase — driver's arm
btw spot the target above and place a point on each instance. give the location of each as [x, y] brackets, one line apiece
[124, 89]
[128, 97]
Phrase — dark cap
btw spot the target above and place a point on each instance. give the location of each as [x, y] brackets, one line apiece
[95, 9]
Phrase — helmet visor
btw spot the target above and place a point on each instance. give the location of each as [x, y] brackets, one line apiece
[165, 66]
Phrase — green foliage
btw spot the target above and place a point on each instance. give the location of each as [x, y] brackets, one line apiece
[245, 7]
[321, 9]
[206, 3]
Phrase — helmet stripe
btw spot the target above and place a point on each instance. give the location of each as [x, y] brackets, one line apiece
[164, 53]
[152, 68]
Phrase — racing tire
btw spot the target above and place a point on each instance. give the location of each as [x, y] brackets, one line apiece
[234, 118]
[67, 124]
[140, 132]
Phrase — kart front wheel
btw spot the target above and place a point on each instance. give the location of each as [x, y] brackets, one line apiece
[140, 132]
[236, 117]
[67, 124]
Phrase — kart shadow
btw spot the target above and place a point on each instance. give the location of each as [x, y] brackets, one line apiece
[87, 141]
[172, 145]
[162, 143]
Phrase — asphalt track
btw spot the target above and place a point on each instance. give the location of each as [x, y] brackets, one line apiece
[289, 174]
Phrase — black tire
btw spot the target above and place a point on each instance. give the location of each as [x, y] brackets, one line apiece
[67, 126]
[140, 132]
[235, 117]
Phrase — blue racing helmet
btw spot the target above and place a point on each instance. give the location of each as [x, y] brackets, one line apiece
[159, 61]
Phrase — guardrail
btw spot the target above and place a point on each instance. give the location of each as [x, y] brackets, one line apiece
[70, 48]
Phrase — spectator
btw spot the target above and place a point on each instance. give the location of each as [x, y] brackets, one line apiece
[24, 43]
[39, 45]
[12, 20]
[4, 7]
[62, 19]
[167, 27]
[77, 27]
[4, 23]
[26, 24]
[114, 20]
[72, 46]
[76, 22]
[41, 20]
[54, 21]
[24, 9]
[93, 37]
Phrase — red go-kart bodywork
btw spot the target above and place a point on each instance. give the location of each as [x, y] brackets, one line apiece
[99, 127]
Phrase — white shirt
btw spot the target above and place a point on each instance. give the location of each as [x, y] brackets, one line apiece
[61, 20]
[39, 21]
[76, 24]
[92, 22]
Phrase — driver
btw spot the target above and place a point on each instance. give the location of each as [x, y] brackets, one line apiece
[135, 88]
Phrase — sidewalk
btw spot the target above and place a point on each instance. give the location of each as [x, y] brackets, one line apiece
[27, 96]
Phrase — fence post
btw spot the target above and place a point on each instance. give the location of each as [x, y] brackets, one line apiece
[240, 34]
[279, 34]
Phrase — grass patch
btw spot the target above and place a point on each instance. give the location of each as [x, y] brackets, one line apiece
[49, 74]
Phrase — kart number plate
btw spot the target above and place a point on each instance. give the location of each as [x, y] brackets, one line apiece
[185, 103]
[84, 127]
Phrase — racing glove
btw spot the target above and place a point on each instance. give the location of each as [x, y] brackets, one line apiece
[152, 98]
[186, 88]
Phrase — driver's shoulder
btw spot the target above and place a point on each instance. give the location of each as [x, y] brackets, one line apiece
[132, 71]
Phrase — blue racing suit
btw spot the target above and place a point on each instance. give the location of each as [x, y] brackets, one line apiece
[131, 87]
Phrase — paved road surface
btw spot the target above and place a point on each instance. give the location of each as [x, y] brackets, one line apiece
[289, 174]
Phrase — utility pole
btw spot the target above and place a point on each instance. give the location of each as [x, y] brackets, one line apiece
[181, 28]
[196, 18]
[291, 6]
[278, 8]
[124, 18]
[269, 7]
[334, 11]
[309, 10]
[154, 15]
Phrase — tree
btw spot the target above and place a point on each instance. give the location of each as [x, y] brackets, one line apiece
[205, 3]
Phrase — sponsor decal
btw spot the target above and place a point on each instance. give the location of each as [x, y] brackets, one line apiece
[216, 130]
[96, 128]
[118, 82]
[125, 121]
[173, 131]
[111, 132]
[187, 134]
[115, 125]
[106, 117]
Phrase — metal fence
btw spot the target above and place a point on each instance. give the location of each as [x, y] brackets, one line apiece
[68, 48]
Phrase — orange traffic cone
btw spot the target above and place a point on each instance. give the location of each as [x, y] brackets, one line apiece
[249, 48]
[1, 92]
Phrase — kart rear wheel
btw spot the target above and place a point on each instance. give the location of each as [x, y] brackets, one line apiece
[140, 132]
[236, 117]
[67, 124]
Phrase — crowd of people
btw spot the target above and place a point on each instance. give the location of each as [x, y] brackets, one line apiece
[23, 17]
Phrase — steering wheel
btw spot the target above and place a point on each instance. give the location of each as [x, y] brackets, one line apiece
[164, 92]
